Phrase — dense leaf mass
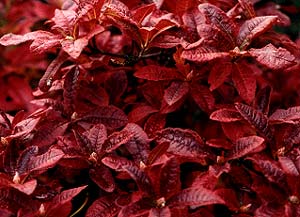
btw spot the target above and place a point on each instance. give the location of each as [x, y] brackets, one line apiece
[148, 108]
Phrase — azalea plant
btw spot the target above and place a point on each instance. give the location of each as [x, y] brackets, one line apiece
[149, 108]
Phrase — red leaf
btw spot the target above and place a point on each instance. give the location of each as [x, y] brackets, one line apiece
[137, 208]
[51, 73]
[116, 85]
[27, 187]
[226, 115]
[253, 28]
[256, 119]
[104, 206]
[219, 18]
[272, 57]
[202, 96]
[46, 160]
[67, 195]
[116, 162]
[289, 115]
[24, 159]
[244, 81]
[248, 9]
[97, 136]
[111, 116]
[247, 145]
[182, 142]
[160, 212]
[102, 176]
[288, 166]
[70, 89]
[176, 91]
[141, 12]
[155, 122]
[140, 112]
[195, 197]
[203, 54]
[170, 179]
[157, 152]
[262, 100]
[219, 74]
[157, 73]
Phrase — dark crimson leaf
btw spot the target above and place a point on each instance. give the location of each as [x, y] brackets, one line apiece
[155, 122]
[219, 74]
[112, 117]
[256, 119]
[51, 73]
[226, 115]
[24, 128]
[157, 152]
[175, 92]
[116, 85]
[272, 57]
[116, 162]
[170, 179]
[67, 195]
[97, 136]
[195, 197]
[140, 112]
[236, 130]
[157, 73]
[70, 89]
[253, 28]
[182, 142]
[102, 176]
[24, 159]
[219, 143]
[286, 115]
[137, 208]
[262, 100]
[267, 210]
[46, 160]
[103, 207]
[246, 145]
[244, 81]
[141, 178]
[202, 96]
[219, 18]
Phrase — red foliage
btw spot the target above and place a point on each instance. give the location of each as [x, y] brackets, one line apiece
[148, 108]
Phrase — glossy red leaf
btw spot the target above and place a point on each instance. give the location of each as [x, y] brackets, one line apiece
[160, 212]
[182, 142]
[226, 115]
[272, 57]
[137, 208]
[247, 145]
[256, 119]
[155, 122]
[170, 179]
[115, 162]
[248, 9]
[46, 160]
[67, 195]
[219, 74]
[24, 159]
[103, 207]
[219, 18]
[111, 116]
[253, 28]
[142, 12]
[202, 97]
[157, 152]
[27, 187]
[97, 136]
[195, 197]
[102, 176]
[175, 92]
[140, 112]
[288, 166]
[244, 81]
[157, 73]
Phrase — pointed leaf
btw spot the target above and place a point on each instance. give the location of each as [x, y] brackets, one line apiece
[219, 74]
[262, 100]
[111, 116]
[182, 142]
[157, 73]
[139, 207]
[195, 197]
[46, 160]
[248, 9]
[104, 206]
[140, 112]
[286, 115]
[116, 163]
[288, 166]
[226, 115]
[253, 28]
[24, 159]
[67, 195]
[155, 122]
[160, 212]
[116, 85]
[142, 12]
[102, 176]
[272, 57]
[219, 18]
[175, 92]
[97, 136]
[70, 89]
[244, 81]
[202, 97]
[170, 179]
[256, 119]
[246, 145]
[203, 54]
[27, 187]
[13, 39]
[157, 152]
